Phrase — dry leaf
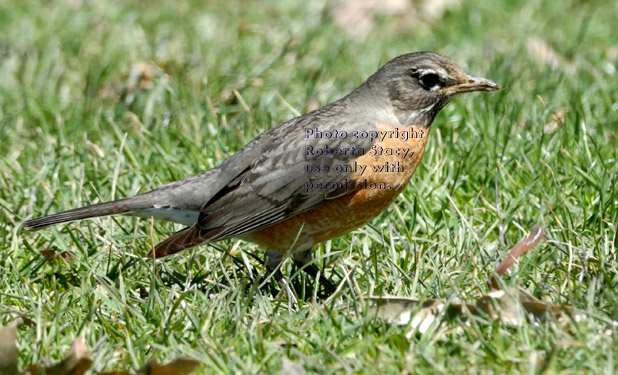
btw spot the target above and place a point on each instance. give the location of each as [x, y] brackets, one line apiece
[75, 4]
[401, 311]
[229, 90]
[52, 254]
[511, 306]
[289, 367]
[142, 76]
[534, 237]
[8, 349]
[435, 9]
[76, 362]
[501, 305]
[545, 55]
[542, 52]
[179, 366]
[21, 318]
[555, 121]
[514, 304]
[355, 17]
[96, 149]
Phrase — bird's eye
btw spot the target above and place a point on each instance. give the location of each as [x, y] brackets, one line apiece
[429, 80]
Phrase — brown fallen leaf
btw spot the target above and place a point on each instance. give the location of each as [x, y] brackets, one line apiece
[8, 349]
[229, 90]
[289, 367]
[75, 4]
[555, 121]
[96, 149]
[533, 239]
[179, 366]
[356, 17]
[511, 306]
[435, 9]
[52, 254]
[503, 306]
[76, 362]
[142, 76]
[403, 311]
[545, 55]
[542, 52]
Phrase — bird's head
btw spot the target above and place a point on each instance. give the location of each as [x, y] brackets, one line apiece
[419, 84]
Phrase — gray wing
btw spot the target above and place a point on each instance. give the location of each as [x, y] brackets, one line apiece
[277, 184]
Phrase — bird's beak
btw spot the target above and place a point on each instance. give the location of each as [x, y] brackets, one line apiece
[471, 84]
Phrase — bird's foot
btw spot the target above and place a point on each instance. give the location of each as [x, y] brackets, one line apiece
[289, 293]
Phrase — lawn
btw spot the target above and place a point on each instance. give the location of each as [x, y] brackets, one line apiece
[101, 100]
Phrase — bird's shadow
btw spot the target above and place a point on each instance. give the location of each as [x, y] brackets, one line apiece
[209, 283]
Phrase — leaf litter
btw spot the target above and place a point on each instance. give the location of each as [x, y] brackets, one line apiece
[512, 306]
[78, 360]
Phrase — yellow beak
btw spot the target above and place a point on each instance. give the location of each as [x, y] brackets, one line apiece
[472, 84]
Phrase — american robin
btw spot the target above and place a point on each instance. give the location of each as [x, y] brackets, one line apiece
[312, 178]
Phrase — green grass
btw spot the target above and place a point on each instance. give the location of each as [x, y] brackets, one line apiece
[72, 134]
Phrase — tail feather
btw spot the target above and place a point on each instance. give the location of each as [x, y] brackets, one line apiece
[121, 206]
[182, 240]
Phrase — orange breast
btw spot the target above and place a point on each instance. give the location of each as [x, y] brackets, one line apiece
[385, 176]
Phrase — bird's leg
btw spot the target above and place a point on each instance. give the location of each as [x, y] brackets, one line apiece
[272, 261]
[283, 284]
[313, 270]
[304, 260]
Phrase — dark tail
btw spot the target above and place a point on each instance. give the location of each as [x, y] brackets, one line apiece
[182, 240]
[121, 206]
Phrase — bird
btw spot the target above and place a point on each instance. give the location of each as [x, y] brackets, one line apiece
[312, 178]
